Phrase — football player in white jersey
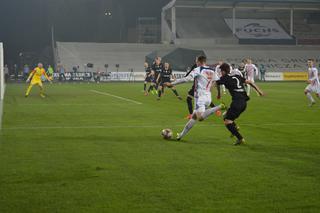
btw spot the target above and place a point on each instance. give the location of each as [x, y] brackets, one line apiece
[204, 78]
[251, 71]
[218, 71]
[313, 82]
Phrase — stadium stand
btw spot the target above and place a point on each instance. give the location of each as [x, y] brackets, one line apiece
[132, 56]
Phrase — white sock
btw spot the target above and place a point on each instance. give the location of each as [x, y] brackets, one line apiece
[310, 97]
[248, 90]
[187, 128]
[210, 111]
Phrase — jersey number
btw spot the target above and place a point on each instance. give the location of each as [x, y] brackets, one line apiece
[238, 82]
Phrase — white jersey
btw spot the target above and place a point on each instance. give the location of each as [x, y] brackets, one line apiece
[251, 71]
[236, 72]
[218, 70]
[203, 77]
[313, 76]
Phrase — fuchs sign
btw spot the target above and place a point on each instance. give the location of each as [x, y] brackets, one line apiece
[258, 29]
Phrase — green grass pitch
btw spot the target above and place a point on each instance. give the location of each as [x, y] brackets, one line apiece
[80, 151]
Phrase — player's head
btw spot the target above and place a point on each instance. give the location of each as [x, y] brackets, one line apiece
[40, 65]
[166, 66]
[225, 69]
[201, 60]
[310, 62]
[146, 65]
[157, 60]
[220, 62]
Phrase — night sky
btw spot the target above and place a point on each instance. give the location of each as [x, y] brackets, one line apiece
[25, 25]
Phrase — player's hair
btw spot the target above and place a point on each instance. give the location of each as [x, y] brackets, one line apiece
[202, 59]
[225, 67]
[311, 59]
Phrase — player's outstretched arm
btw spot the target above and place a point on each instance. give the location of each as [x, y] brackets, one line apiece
[255, 87]
[182, 80]
[30, 76]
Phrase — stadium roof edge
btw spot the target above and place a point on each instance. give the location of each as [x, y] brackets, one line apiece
[246, 4]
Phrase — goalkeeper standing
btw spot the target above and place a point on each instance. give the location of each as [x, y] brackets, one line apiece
[35, 77]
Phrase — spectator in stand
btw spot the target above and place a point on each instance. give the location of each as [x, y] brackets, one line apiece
[263, 70]
[26, 71]
[6, 73]
[50, 71]
[62, 73]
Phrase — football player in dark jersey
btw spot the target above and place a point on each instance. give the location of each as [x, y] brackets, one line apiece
[156, 68]
[164, 80]
[148, 78]
[236, 86]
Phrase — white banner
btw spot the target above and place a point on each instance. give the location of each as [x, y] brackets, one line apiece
[258, 29]
[274, 76]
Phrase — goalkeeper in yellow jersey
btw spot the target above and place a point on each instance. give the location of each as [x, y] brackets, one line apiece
[35, 77]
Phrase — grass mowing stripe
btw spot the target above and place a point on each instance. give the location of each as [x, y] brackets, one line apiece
[151, 126]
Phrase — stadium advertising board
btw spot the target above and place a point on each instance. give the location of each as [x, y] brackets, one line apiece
[105, 77]
[274, 76]
[258, 29]
[295, 76]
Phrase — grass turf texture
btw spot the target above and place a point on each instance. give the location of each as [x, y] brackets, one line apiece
[110, 156]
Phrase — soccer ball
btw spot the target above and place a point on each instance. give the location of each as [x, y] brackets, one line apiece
[166, 134]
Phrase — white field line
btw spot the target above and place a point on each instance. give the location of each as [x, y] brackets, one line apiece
[152, 126]
[56, 104]
[115, 96]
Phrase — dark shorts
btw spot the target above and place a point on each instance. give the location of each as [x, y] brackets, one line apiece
[191, 91]
[148, 79]
[235, 110]
[164, 80]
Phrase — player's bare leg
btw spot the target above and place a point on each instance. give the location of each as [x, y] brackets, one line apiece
[201, 116]
[309, 96]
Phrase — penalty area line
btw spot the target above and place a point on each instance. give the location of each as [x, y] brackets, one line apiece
[115, 96]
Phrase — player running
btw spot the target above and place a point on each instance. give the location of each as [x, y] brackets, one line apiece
[235, 85]
[156, 68]
[313, 82]
[147, 79]
[164, 80]
[251, 70]
[35, 77]
[204, 78]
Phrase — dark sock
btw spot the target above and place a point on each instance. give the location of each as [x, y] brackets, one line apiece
[233, 129]
[162, 90]
[212, 105]
[144, 87]
[150, 88]
[189, 103]
[159, 93]
[175, 92]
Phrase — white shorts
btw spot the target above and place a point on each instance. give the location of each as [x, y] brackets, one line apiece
[313, 88]
[202, 103]
[251, 79]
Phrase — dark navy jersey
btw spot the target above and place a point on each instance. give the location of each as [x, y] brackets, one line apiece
[166, 73]
[157, 68]
[148, 70]
[235, 85]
